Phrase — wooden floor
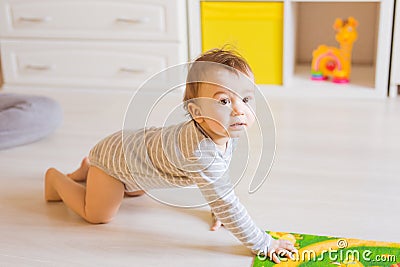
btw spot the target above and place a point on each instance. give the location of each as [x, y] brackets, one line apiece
[337, 172]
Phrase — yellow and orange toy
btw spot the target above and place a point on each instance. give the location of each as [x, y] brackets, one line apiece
[336, 62]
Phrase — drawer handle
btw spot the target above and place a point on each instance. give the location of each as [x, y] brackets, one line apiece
[38, 67]
[35, 19]
[133, 21]
[131, 70]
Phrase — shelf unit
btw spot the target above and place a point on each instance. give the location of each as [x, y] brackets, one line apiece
[369, 79]
[395, 64]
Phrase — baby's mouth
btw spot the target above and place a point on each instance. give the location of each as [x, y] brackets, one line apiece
[238, 124]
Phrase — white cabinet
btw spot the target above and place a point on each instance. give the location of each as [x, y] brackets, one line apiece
[93, 43]
[77, 63]
[309, 21]
[395, 70]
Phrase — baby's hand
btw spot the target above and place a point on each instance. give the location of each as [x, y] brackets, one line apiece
[282, 248]
[216, 223]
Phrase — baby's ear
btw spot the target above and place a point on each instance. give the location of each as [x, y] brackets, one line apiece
[195, 112]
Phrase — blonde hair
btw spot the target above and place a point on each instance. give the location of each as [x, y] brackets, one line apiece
[228, 58]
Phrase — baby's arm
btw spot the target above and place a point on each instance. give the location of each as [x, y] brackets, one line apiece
[233, 215]
[210, 172]
[213, 181]
[276, 245]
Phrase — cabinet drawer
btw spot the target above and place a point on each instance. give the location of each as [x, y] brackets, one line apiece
[106, 64]
[94, 19]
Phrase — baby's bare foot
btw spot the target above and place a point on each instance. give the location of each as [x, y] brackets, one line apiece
[80, 174]
[50, 194]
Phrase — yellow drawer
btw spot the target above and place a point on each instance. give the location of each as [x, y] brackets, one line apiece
[255, 29]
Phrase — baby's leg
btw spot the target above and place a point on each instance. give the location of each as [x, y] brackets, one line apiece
[80, 174]
[97, 203]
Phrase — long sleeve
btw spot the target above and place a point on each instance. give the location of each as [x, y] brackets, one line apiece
[210, 173]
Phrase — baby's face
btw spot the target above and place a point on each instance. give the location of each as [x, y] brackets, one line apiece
[228, 106]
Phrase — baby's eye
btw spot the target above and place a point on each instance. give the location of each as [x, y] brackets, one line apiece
[246, 99]
[225, 101]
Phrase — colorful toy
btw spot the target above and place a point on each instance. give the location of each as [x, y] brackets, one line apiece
[328, 251]
[336, 62]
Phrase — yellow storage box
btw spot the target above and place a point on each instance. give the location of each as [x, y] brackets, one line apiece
[255, 29]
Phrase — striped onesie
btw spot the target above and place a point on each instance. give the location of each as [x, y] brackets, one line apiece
[180, 155]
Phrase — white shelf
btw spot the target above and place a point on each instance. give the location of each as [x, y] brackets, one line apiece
[361, 85]
[395, 61]
[366, 81]
[362, 76]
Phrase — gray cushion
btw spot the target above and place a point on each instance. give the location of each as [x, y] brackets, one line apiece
[26, 118]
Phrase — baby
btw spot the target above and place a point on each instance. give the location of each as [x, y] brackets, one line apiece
[219, 98]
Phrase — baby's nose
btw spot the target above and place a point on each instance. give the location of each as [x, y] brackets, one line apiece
[237, 110]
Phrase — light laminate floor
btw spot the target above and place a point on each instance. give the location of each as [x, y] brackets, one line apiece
[337, 172]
